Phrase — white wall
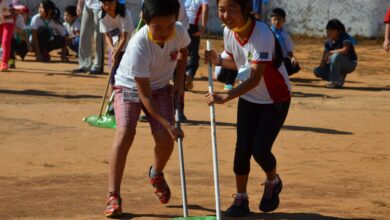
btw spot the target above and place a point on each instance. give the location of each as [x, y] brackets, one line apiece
[308, 17]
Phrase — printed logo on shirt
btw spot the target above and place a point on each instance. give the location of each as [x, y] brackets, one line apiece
[264, 55]
[250, 56]
[114, 32]
[173, 55]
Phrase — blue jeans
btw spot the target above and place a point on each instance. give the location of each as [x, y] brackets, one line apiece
[337, 69]
[193, 51]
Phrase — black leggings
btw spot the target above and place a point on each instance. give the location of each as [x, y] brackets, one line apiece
[258, 126]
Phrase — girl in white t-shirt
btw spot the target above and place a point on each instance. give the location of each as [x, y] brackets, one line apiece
[116, 24]
[264, 99]
[6, 30]
[48, 33]
[142, 81]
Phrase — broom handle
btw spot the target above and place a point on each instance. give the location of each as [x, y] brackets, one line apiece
[105, 93]
[214, 141]
[181, 159]
[108, 84]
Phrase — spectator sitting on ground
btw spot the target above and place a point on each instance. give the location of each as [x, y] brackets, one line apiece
[72, 26]
[339, 57]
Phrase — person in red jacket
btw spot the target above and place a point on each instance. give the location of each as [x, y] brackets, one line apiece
[386, 42]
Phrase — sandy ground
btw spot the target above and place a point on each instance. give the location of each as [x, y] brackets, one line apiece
[333, 152]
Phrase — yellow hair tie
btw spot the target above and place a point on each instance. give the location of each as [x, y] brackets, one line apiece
[243, 28]
[150, 36]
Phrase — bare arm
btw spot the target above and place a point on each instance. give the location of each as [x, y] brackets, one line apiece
[205, 14]
[180, 71]
[216, 59]
[257, 71]
[80, 6]
[145, 94]
[386, 42]
[344, 50]
[324, 59]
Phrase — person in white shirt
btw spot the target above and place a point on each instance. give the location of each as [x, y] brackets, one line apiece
[6, 30]
[197, 11]
[142, 81]
[116, 24]
[48, 33]
[72, 26]
[264, 99]
[90, 10]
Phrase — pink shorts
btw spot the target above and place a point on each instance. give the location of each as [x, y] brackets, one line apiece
[127, 111]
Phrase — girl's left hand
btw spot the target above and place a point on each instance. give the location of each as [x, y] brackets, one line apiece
[216, 98]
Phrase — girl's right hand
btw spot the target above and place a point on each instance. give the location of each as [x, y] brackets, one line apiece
[216, 98]
[211, 55]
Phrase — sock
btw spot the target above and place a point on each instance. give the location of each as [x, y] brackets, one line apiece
[153, 173]
[242, 195]
[274, 181]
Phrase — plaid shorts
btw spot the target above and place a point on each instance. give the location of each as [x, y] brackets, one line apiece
[127, 111]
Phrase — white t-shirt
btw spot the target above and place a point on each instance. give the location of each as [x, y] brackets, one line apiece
[93, 4]
[194, 10]
[72, 29]
[145, 59]
[4, 11]
[183, 17]
[37, 21]
[116, 26]
[274, 85]
[19, 22]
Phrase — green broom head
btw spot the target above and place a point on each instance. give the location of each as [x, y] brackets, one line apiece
[197, 218]
[104, 121]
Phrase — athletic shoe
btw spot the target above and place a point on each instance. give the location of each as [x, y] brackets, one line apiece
[162, 192]
[11, 63]
[4, 69]
[96, 72]
[228, 87]
[114, 205]
[80, 70]
[334, 85]
[239, 208]
[143, 118]
[270, 200]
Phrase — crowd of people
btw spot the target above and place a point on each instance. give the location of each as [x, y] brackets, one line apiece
[144, 60]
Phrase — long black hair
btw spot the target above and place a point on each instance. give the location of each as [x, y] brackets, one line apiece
[49, 5]
[335, 24]
[120, 9]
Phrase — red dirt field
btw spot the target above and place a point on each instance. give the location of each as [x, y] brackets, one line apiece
[333, 152]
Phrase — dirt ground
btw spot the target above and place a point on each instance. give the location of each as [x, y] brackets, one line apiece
[333, 152]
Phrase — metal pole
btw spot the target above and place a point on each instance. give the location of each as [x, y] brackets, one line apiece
[213, 140]
[181, 159]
